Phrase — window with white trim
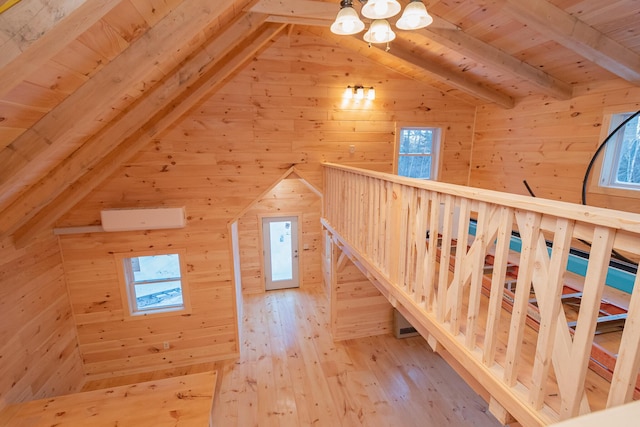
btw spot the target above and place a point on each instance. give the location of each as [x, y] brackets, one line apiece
[418, 149]
[621, 163]
[153, 283]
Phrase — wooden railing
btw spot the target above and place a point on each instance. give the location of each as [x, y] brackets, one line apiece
[393, 227]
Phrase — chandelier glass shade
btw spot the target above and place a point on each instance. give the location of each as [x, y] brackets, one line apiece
[348, 22]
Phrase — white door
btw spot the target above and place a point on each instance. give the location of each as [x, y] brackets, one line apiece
[280, 247]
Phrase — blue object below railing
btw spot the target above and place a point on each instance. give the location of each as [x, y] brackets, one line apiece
[616, 278]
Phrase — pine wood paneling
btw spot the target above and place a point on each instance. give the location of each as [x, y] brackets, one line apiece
[39, 354]
[358, 308]
[216, 161]
[550, 143]
[109, 343]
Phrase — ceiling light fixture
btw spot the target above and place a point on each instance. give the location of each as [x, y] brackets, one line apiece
[348, 22]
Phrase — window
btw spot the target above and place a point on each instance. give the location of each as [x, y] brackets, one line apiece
[621, 164]
[153, 283]
[418, 151]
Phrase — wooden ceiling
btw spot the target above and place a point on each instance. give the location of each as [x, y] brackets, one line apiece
[85, 84]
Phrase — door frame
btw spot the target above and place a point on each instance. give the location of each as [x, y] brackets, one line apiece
[298, 215]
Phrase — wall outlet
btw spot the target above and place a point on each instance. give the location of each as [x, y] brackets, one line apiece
[165, 345]
[352, 149]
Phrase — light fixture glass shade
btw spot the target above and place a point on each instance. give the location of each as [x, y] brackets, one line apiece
[415, 16]
[359, 93]
[380, 9]
[371, 94]
[347, 22]
[348, 93]
[379, 32]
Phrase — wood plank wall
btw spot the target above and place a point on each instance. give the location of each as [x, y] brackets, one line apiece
[39, 354]
[358, 309]
[290, 196]
[284, 108]
[112, 345]
[550, 143]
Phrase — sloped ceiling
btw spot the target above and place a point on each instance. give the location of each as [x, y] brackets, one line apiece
[62, 132]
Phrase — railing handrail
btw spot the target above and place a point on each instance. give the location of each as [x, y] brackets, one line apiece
[413, 236]
[620, 220]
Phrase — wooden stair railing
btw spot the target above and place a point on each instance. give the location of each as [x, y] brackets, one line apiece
[538, 376]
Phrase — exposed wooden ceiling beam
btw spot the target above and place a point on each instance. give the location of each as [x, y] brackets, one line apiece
[43, 49]
[55, 136]
[494, 57]
[310, 12]
[574, 34]
[307, 12]
[421, 69]
[206, 76]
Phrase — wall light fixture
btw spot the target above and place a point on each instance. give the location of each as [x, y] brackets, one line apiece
[359, 92]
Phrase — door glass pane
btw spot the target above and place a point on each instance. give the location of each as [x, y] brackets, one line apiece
[281, 259]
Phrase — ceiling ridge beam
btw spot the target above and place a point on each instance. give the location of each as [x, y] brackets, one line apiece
[54, 136]
[578, 36]
[489, 55]
[421, 66]
[173, 107]
[51, 42]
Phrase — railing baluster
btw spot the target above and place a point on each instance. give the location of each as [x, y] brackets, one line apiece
[587, 317]
[419, 240]
[376, 224]
[550, 305]
[432, 252]
[625, 374]
[455, 300]
[477, 264]
[497, 285]
[445, 256]
[402, 237]
[529, 227]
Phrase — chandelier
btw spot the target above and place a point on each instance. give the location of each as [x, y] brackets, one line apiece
[348, 22]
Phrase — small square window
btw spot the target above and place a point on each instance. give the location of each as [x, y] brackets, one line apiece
[621, 164]
[153, 283]
[417, 152]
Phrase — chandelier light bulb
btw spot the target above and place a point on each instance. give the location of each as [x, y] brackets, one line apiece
[415, 16]
[380, 9]
[347, 22]
[379, 32]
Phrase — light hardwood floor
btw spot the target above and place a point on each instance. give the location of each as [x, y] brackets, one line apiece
[291, 373]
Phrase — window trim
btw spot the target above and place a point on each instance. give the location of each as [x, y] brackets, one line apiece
[436, 151]
[611, 156]
[127, 292]
[594, 185]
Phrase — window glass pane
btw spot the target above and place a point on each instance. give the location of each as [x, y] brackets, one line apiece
[415, 166]
[154, 282]
[158, 295]
[281, 259]
[156, 267]
[416, 141]
[628, 168]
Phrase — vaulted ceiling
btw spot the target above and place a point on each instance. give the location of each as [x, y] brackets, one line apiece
[84, 84]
